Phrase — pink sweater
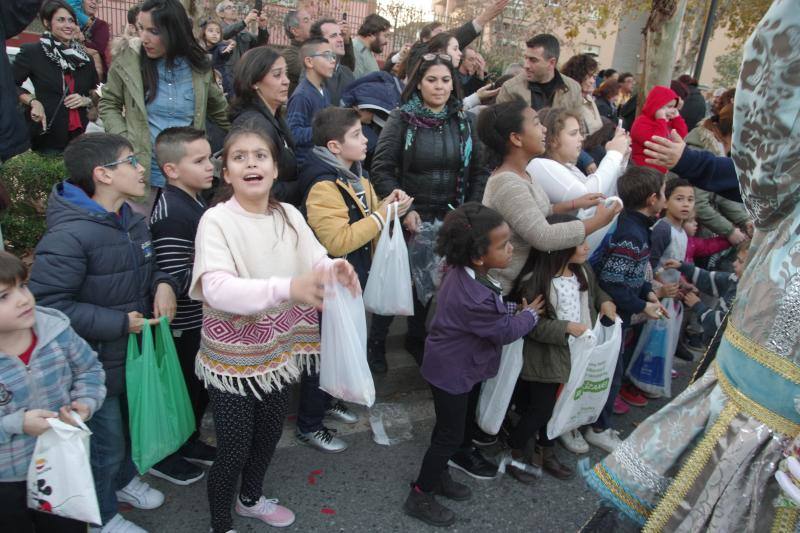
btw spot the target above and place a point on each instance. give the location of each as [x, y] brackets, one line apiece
[705, 247]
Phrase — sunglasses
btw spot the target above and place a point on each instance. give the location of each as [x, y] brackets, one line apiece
[329, 55]
[431, 57]
[134, 162]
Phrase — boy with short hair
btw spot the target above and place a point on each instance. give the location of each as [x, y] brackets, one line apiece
[311, 96]
[621, 273]
[96, 264]
[343, 210]
[46, 371]
[184, 156]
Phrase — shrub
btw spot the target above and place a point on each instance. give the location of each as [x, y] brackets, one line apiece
[29, 178]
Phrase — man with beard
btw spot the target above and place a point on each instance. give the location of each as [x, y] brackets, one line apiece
[371, 40]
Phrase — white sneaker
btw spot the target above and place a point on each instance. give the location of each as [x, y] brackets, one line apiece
[117, 525]
[140, 495]
[607, 440]
[574, 442]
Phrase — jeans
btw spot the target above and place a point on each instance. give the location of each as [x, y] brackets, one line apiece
[604, 421]
[110, 455]
[313, 403]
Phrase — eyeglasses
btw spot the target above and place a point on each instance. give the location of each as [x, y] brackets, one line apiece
[130, 159]
[330, 56]
[431, 57]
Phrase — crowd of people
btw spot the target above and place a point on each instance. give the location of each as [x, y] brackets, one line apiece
[222, 183]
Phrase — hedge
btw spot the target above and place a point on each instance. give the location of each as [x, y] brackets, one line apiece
[29, 178]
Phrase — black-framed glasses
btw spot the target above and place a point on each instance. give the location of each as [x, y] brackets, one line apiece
[134, 162]
[443, 57]
[327, 54]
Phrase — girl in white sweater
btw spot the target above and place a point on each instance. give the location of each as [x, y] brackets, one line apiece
[259, 272]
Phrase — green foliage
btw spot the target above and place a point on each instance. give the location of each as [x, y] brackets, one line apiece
[29, 178]
[728, 66]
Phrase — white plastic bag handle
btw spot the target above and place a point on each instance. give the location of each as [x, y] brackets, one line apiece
[65, 430]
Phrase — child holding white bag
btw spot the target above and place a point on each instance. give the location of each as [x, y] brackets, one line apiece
[260, 274]
[573, 300]
[46, 371]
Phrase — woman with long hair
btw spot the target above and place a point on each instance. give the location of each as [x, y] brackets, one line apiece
[167, 82]
[261, 88]
[605, 98]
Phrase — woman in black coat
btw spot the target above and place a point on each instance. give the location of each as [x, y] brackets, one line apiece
[261, 87]
[604, 98]
[63, 76]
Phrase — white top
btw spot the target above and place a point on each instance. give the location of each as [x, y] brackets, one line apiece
[563, 183]
[568, 306]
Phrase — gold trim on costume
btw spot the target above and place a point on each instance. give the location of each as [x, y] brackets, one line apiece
[780, 365]
[775, 421]
[619, 492]
[690, 471]
[786, 519]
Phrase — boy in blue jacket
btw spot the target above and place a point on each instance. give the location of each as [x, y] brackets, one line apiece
[46, 371]
[96, 264]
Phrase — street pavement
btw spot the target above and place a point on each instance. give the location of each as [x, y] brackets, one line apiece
[363, 488]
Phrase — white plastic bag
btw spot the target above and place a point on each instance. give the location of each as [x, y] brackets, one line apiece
[344, 372]
[388, 290]
[60, 478]
[593, 358]
[497, 391]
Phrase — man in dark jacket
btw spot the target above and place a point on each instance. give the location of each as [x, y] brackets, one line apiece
[96, 264]
[297, 25]
[15, 15]
[694, 105]
[235, 28]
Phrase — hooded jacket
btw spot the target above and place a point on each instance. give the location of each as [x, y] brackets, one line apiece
[96, 267]
[62, 369]
[647, 125]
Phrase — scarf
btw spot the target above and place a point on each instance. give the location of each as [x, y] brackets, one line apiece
[418, 116]
[68, 57]
[354, 180]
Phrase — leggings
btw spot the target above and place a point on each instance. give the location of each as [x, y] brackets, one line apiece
[17, 518]
[247, 431]
[541, 399]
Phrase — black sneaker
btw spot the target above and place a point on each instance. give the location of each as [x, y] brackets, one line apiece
[452, 489]
[481, 439]
[423, 506]
[198, 452]
[177, 470]
[376, 357]
[474, 464]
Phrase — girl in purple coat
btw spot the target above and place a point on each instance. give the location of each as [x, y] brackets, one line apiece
[468, 331]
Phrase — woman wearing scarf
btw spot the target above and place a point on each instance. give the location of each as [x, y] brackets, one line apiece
[705, 462]
[62, 74]
[428, 149]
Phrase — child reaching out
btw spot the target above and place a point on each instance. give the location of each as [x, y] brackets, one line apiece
[468, 331]
[260, 273]
[220, 51]
[572, 301]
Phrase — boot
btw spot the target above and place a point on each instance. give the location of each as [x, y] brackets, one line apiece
[423, 506]
[552, 465]
[527, 476]
[376, 357]
[452, 489]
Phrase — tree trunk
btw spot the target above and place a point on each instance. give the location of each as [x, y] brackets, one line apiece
[692, 34]
[661, 45]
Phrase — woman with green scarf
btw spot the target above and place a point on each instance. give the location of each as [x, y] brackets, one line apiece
[429, 149]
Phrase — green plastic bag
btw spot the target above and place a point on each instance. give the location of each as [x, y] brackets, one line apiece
[160, 414]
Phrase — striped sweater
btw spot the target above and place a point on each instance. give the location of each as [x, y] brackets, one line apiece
[721, 285]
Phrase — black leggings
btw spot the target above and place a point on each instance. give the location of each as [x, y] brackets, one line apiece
[15, 515]
[247, 431]
[541, 398]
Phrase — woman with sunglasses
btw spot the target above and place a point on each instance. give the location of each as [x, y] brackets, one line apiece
[63, 76]
[167, 82]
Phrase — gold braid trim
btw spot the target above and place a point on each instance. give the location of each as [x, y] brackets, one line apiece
[786, 519]
[619, 492]
[775, 421]
[780, 365]
[690, 471]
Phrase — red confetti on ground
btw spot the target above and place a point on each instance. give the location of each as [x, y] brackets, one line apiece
[312, 480]
[316, 472]
[326, 510]
[291, 417]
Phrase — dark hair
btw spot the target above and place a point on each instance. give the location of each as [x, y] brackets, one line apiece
[373, 24]
[608, 90]
[310, 47]
[249, 70]
[637, 184]
[439, 44]
[332, 123]
[290, 21]
[624, 76]
[555, 120]
[687, 80]
[600, 137]
[464, 235]
[496, 123]
[542, 267]
[170, 145]
[721, 124]
[171, 19]
[225, 191]
[12, 269]
[316, 28]
[607, 73]
[205, 23]
[673, 184]
[552, 49]
[679, 89]
[133, 12]
[579, 67]
[89, 151]
[419, 72]
[49, 9]
[426, 31]
[722, 100]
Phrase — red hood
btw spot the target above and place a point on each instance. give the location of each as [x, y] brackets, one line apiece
[658, 97]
